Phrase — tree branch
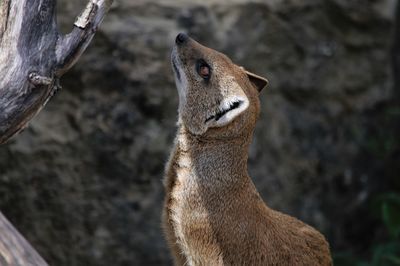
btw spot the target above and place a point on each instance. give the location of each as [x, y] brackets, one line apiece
[34, 55]
[14, 249]
[72, 46]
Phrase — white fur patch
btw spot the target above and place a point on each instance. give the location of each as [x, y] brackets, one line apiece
[229, 116]
[184, 162]
[232, 94]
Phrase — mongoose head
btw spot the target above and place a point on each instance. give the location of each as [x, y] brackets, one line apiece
[217, 98]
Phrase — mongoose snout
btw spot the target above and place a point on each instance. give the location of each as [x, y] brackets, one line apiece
[181, 38]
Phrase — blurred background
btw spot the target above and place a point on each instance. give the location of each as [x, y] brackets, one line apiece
[84, 182]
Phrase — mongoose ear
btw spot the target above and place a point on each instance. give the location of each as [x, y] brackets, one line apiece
[259, 82]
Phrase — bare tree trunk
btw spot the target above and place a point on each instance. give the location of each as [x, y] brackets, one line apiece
[33, 57]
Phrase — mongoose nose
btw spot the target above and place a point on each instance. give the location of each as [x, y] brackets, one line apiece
[181, 38]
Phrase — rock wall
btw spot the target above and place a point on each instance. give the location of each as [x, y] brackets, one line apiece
[83, 182]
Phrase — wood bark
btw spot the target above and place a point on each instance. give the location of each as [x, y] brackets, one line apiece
[33, 57]
[14, 249]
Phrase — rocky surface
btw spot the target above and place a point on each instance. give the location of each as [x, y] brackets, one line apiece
[83, 182]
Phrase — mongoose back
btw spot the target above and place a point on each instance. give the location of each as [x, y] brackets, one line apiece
[213, 214]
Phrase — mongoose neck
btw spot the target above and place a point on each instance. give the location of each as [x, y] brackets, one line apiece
[214, 161]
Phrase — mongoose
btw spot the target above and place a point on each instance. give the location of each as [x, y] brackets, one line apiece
[213, 214]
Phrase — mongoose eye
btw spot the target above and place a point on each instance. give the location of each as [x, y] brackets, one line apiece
[203, 69]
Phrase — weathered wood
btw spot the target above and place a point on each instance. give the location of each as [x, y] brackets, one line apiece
[14, 249]
[34, 55]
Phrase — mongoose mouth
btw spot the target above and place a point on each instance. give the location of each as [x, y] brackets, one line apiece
[233, 105]
[176, 70]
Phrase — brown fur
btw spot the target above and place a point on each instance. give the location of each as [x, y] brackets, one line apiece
[213, 214]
